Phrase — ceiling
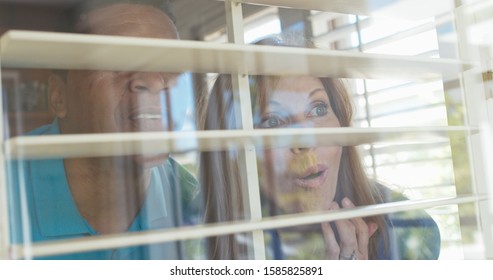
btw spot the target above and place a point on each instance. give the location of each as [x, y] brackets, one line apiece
[42, 2]
[194, 18]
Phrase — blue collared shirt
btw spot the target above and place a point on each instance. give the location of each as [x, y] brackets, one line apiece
[42, 207]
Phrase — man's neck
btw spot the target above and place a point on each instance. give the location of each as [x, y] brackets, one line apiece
[108, 192]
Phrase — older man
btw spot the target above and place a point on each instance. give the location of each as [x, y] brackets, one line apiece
[76, 197]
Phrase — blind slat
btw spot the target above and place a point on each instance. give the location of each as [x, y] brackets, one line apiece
[91, 243]
[106, 144]
[412, 9]
[32, 49]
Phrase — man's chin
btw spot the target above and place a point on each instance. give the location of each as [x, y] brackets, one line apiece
[149, 161]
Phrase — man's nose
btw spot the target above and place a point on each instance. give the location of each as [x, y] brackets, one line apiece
[147, 82]
[300, 150]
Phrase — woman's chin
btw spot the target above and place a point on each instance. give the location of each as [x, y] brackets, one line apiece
[305, 206]
[302, 228]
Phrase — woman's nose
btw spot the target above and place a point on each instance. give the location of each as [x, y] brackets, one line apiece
[301, 123]
[147, 82]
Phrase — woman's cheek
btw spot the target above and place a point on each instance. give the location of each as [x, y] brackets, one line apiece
[272, 163]
[271, 166]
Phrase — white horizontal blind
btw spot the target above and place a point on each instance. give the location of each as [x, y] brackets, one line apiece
[353, 64]
[51, 248]
[416, 169]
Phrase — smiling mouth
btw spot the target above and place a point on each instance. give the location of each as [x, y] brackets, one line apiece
[146, 117]
[146, 121]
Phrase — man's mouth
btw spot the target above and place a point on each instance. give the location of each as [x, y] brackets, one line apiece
[145, 117]
[147, 120]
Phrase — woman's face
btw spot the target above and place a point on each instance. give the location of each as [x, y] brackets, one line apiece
[299, 179]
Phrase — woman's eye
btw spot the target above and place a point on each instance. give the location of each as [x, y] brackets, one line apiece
[318, 110]
[272, 121]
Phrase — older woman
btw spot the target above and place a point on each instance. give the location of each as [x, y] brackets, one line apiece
[295, 180]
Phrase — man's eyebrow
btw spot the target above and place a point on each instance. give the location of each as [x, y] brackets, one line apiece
[171, 76]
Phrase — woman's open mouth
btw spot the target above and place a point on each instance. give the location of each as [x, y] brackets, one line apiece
[312, 178]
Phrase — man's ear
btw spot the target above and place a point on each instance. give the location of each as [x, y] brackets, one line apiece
[57, 90]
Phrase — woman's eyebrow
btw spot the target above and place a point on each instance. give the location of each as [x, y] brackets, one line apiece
[315, 91]
[274, 102]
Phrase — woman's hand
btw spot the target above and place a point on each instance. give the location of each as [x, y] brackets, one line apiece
[354, 235]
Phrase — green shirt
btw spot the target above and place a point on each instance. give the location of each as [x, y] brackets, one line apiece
[42, 208]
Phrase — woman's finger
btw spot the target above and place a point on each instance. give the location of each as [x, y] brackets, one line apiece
[331, 246]
[362, 231]
[372, 228]
[347, 235]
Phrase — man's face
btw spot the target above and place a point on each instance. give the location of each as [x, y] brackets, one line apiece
[105, 101]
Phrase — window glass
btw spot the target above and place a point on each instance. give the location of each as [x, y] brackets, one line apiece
[149, 133]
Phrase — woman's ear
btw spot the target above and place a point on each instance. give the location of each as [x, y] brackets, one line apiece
[57, 90]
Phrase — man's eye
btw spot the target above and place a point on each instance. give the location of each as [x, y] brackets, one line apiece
[318, 110]
[272, 121]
